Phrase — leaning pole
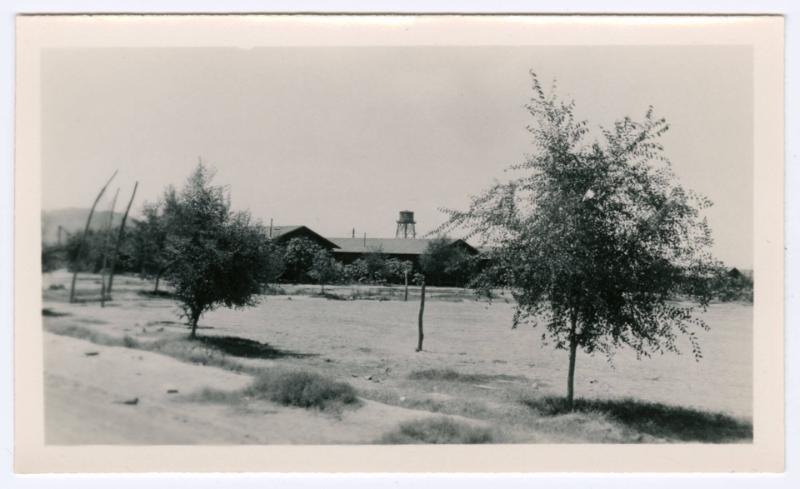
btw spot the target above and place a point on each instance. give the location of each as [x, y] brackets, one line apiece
[83, 236]
[119, 239]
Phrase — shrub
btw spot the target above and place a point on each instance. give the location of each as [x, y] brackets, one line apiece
[303, 389]
[438, 431]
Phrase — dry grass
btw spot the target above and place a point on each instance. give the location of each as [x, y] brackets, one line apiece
[449, 375]
[654, 419]
[437, 431]
[302, 389]
[181, 348]
[90, 335]
[289, 388]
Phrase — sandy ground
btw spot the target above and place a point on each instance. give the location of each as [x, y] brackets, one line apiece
[369, 344]
[87, 395]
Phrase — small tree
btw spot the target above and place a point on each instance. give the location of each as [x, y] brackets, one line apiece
[150, 240]
[217, 258]
[358, 271]
[324, 268]
[596, 237]
[396, 270]
[375, 261]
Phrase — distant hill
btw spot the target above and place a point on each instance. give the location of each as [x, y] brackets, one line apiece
[73, 220]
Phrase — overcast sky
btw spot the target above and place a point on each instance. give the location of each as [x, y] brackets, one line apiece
[343, 138]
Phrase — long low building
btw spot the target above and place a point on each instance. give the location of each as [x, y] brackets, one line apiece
[350, 249]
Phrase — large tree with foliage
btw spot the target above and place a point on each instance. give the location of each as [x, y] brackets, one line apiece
[216, 257]
[443, 263]
[595, 236]
[298, 258]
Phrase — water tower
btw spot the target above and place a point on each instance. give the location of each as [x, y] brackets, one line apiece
[405, 226]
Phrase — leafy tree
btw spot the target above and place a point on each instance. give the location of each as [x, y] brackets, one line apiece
[298, 258]
[375, 261]
[395, 270]
[150, 240]
[217, 257]
[325, 269]
[358, 271]
[594, 236]
[733, 285]
[445, 264]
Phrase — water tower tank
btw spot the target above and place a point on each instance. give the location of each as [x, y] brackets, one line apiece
[406, 217]
[405, 225]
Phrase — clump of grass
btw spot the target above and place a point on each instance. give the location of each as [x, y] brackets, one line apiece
[47, 312]
[445, 374]
[449, 375]
[156, 293]
[302, 389]
[654, 419]
[208, 394]
[438, 431]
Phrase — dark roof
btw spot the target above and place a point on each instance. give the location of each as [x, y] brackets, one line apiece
[391, 246]
[288, 232]
[278, 231]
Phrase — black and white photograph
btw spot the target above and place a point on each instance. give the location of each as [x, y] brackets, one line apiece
[398, 244]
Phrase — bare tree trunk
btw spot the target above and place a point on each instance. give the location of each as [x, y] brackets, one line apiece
[573, 349]
[421, 336]
[83, 237]
[119, 238]
[405, 294]
[105, 251]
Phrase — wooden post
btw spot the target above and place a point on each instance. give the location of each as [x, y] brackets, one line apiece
[83, 237]
[105, 251]
[421, 311]
[405, 295]
[119, 239]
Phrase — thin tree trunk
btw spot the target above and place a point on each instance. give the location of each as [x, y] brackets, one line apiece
[405, 294]
[194, 319]
[573, 349]
[83, 236]
[105, 251]
[421, 336]
[119, 239]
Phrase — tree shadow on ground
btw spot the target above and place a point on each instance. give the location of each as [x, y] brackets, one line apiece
[245, 348]
[655, 419]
